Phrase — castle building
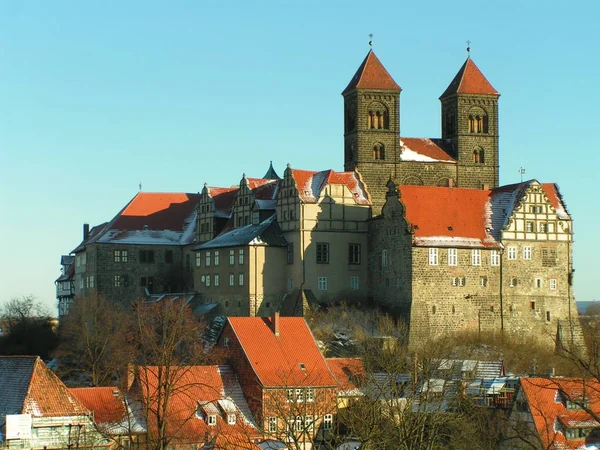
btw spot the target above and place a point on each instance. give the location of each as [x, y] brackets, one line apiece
[465, 156]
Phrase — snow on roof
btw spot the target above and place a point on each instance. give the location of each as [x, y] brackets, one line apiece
[425, 150]
[310, 184]
[265, 233]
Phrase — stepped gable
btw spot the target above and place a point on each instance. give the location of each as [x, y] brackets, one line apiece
[448, 217]
[372, 75]
[310, 184]
[152, 218]
[470, 80]
[425, 150]
[291, 358]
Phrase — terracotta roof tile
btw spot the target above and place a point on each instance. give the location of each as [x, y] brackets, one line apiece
[425, 150]
[310, 184]
[290, 359]
[546, 407]
[347, 372]
[263, 189]
[372, 75]
[470, 80]
[106, 403]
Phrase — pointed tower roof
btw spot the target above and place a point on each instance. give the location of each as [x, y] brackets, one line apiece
[271, 174]
[372, 75]
[470, 80]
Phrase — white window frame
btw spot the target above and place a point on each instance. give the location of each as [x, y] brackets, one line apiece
[207, 259]
[476, 257]
[511, 253]
[217, 258]
[552, 284]
[272, 424]
[216, 280]
[433, 257]
[231, 418]
[322, 283]
[207, 280]
[384, 258]
[328, 422]
[231, 257]
[354, 283]
[198, 259]
[241, 256]
[241, 279]
[310, 395]
[212, 420]
[495, 258]
[231, 279]
[453, 257]
[527, 252]
[308, 422]
[290, 284]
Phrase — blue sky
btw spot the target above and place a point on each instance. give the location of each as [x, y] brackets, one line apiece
[96, 97]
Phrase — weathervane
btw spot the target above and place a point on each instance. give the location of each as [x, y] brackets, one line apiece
[522, 172]
[371, 40]
[469, 48]
[140, 185]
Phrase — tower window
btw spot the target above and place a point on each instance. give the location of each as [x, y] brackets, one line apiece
[379, 151]
[478, 121]
[478, 156]
[378, 117]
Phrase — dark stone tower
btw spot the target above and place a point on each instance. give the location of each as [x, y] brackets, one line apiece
[372, 126]
[470, 122]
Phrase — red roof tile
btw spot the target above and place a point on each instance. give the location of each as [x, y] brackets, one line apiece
[372, 75]
[310, 184]
[263, 189]
[426, 150]
[347, 371]
[223, 198]
[443, 217]
[290, 359]
[105, 402]
[470, 80]
[546, 406]
[551, 191]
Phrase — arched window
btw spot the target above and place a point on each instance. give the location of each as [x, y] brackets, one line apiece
[479, 156]
[379, 151]
[378, 117]
[478, 121]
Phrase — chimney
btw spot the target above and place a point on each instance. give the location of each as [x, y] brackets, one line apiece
[275, 322]
[450, 183]
[86, 231]
[485, 187]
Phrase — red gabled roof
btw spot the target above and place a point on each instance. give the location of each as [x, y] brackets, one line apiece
[547, 406]
[427, 150]
[347, 372]
[551, 191]
[310, 184]
[443, 217]
[263, 189]
[105, 402]
[157, 211]
[223, 198]
[372, 75]
[470, 80]
[290, 359]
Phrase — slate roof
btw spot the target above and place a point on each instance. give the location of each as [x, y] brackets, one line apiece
[425, 150]
[151, 218]
[265, 233]
[547, 408]
[290, 359]
[372, 75]
[310, 184]
[28, 386]
[271, 174]
[470, 80]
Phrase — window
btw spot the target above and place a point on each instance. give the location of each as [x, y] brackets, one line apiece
[120, 256]
[147, 282]
[353, 253]
[543, 227]
[290, 253]
[548, 257]
[308, 422]
[231, 257]
[217, 258]
[299, 395]
[354, 283]
[310, 395]
[532, 305]
[231, 419]
[459, 281]
[513, 282]
[169, 256]
[81, 283]
[512, 253]
[207, 259]
[147, 256]
[290, 283]
[240, 279]
[483, 281]
[198, 259]
[328, 422]
[529, 227]
[84, 259]
[216, 280]
[548, 316]
[241, 256]
[212, 420]
[87, 282]
[290, 395]
[384, 258]
[379, 151]
[526, 252]
[495, 258]
[478, 156]
[231, 279]
[207, 281]
[476, 257]
[322, 253]
[552, 284]
[299, 423]
[433, 256]
[272, 424]
[452, 257]
[91, 281]
[538, 283]
[116, 281]
[322, 283]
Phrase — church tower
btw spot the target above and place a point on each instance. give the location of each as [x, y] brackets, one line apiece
[470, 122]
[372, 125]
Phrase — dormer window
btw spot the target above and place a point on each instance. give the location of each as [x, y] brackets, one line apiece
[231, 418]
[212, 420]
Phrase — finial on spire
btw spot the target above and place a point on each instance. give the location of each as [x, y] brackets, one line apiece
[371, 40]
[469, 48]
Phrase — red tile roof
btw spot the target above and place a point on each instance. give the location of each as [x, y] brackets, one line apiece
[223, 198]
[290, 359]
[347, 372]
[448, 217]
[470, 80]
[547, 406]
[310, 184]
[196, 386]
[426, 149]
[372, 75]
[551, 191]
[263, 189]
[105, 402]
